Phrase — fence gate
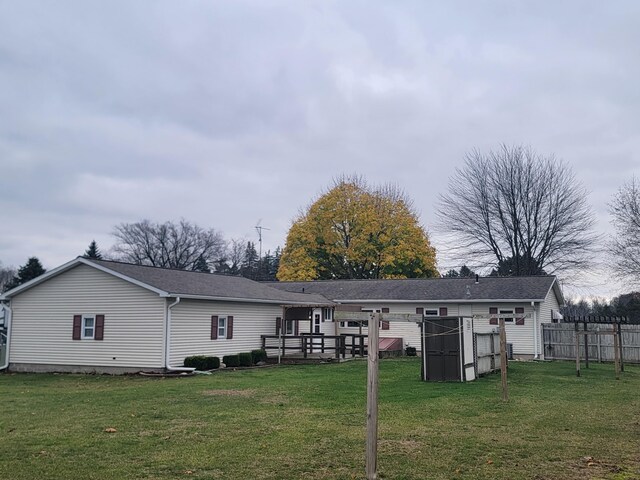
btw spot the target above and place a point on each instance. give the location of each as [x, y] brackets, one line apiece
[441, 349]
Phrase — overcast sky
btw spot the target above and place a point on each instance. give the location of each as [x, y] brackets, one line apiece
[226, 113]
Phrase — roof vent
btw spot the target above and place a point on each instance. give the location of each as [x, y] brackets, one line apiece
[468, 292]
[477, 278]
[302, 289]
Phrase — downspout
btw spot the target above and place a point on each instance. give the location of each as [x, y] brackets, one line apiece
[536, 349]
[7, 322]
[167, 346]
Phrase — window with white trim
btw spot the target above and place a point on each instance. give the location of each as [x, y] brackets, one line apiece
[88, 326]
[327, 314]
[222, 327]
[289, 327]
[507, 312]
[431, 312]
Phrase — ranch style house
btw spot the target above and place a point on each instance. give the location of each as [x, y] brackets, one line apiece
[111, 317]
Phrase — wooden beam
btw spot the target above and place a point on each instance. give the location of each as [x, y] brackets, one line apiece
[586, 346]
[577, 351]
[503, 360]
[372, 399]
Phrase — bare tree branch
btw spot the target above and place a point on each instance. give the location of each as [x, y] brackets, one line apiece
[513, 206]
[183, 245]
[624, 247]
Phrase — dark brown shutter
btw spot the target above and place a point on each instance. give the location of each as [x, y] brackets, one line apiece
[419, 311]
[214, 327]
[385, 325]
[77, 326]
[230, 326]
[520, 320]
[385, 310]
[278, 325]
[493, 320]
[99, 333]
[443, 311]
[296, 328]
[322, 314]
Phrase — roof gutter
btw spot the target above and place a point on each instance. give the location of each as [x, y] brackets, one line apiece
[7, 322]
[328, 303]
[167, 339]
[435, 300]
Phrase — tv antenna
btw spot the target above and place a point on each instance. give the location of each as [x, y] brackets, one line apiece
[259, 229]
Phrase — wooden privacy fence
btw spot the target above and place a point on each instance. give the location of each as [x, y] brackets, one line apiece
[487, 352]
[560, 342]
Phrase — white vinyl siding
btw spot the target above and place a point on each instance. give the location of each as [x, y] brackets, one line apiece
[521, 336]
[550, 303]
[191, 327]
[408, 331]
[43, 322]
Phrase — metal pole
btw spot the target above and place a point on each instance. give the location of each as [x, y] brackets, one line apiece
[372, 399]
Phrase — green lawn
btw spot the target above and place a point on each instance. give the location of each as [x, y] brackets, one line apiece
[308, 422]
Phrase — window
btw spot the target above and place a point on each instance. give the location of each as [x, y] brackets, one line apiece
[430, 312]
[327, 314]
[222, 327]
[507, 312]
[289, 327]
[88, 326]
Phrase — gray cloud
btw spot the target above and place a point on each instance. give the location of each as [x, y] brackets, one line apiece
[228, 112]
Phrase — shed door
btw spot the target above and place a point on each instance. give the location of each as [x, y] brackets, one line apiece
[441, 350]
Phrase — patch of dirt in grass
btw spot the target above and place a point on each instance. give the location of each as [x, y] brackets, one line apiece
[592, 468]
[230, 393]
[277, 399]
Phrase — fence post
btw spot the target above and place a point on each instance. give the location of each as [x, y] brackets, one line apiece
[577, 350]
[503, 360]
[621, 347]
[372, 399]
[586, 346]
[599, 344]
[616, 352]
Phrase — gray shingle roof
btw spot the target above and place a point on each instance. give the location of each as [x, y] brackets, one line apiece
[182, 282]
[427, 289]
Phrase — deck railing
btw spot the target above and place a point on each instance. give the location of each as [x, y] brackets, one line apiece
[309, 343]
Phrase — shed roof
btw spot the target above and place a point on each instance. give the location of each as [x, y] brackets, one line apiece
[534, 288]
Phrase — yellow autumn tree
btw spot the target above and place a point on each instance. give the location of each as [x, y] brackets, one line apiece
[356, 231]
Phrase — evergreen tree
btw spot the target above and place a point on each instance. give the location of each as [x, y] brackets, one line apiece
[93, 251]
[250, 261]
[275, 264]
[466, 272]
[201, 265]
[453, 273]
[30, 270]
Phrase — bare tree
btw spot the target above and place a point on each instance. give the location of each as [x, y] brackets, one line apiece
[7, 276]
[624, 248]
[516, 207]
[181, 245]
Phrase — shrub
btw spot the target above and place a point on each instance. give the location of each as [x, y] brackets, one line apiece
[214, 362]
[410, 351]
[231, 360]
[259, 355]
[245, 359]
[202, 362]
